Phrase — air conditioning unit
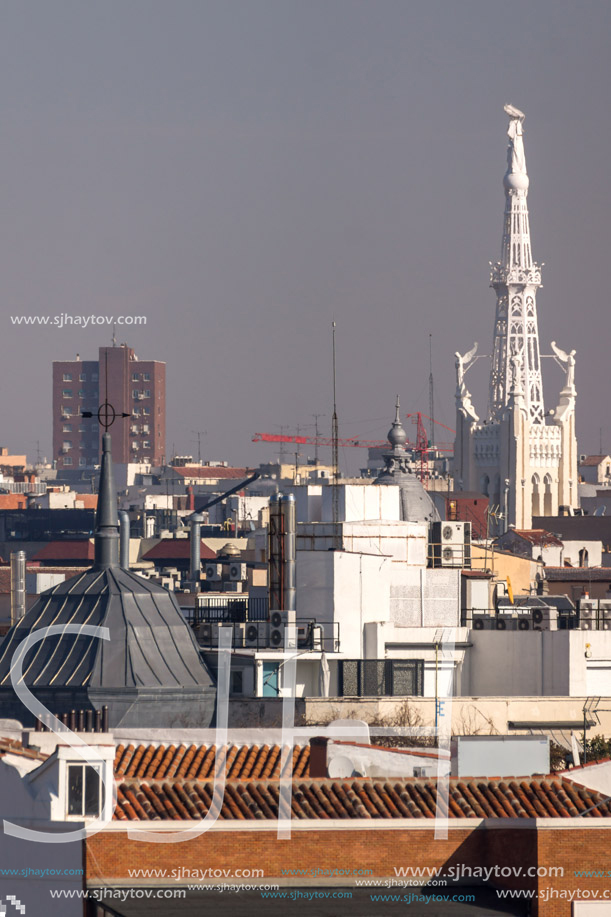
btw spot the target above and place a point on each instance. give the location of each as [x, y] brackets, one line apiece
[505, 622]
[604, 615]
[207, 634]
[588, 614]
[451, 544]
[481, 622]
[545, 618]
[255, 634]
[214, 572]
[237, 572]
[525, 622]
[278, 621]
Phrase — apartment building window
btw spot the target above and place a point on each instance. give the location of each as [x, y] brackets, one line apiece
[67, 393]
[147, 393]
[82, 462]
[135, 394]
[67, 460]
[145, 428]
[136, 412]
[146, 444]
[381, 677]
[82, 393]
[67, 377]
[82, 428]
[135, 377]
[135, 446]
[82, 377]
[67, 411]
[67, 444]
[146, 459]
[146, 377]
[84, 796]
[134, 428]
[94, 377]
[146, 410]
[67, 428]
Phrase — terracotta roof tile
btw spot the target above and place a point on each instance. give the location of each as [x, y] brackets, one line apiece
[529, 797]
[197, 762]
[81, 550]
[176, 549]
[213, 472]
[15, 747]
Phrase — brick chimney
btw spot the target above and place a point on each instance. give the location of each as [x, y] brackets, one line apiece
[318, 756]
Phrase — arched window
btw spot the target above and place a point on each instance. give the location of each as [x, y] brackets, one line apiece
[547, 495]
[484, 485]
[583, 558]
[536, 501]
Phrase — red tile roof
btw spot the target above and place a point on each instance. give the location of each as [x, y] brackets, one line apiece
[196, 762]
[519, 797]
[15, 747]
[81, 550]
[211, 471]
[176, 549]
[538, 537]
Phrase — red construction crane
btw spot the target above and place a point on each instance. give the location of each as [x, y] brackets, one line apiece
[321, 441]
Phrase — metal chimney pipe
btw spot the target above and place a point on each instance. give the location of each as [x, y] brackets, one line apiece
[17, 586]
[275, 574]
[287, 510]
[124, 539]
[196, 552]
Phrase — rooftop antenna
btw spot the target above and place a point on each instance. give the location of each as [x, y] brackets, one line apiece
[316, 431]
[335, 459]
[114, 334]
[431, 394]
[199, 434]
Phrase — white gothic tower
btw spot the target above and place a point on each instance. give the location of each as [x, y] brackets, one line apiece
[522, 457]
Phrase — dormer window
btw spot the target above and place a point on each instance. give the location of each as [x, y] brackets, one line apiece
[84, 791]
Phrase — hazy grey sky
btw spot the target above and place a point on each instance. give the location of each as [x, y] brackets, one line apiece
[242, 173]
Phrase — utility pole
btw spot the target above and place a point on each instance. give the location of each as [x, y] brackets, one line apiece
[335, 447]
[431, 395]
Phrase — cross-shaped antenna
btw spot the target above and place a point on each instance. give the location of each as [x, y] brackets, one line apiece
[106, 413]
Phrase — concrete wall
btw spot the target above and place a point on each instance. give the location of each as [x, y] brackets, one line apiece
[403, 541]
[366, 501]
[545, 663]
[350, 589]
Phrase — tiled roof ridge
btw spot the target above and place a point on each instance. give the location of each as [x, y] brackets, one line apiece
[545, 796]
[16, 747]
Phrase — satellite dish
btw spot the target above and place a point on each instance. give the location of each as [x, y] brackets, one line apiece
[340, 767]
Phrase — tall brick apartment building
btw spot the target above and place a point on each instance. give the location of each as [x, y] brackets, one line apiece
[135, 387]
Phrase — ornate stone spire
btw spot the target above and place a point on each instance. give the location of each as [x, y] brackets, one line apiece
[516, 278]
[106, 517]
[416, 505]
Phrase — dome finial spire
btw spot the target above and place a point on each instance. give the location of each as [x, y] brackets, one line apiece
[106, 517]
[397, 435]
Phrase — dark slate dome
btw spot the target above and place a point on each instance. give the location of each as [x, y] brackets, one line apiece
[416, 504]
[148, 674]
